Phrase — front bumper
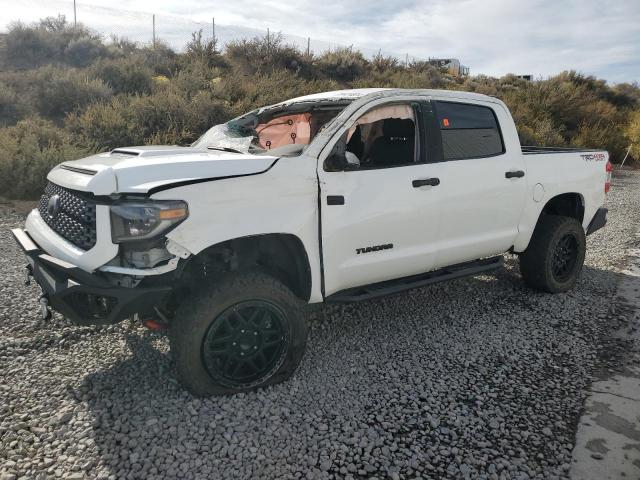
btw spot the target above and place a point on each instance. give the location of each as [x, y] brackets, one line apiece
[85, 298]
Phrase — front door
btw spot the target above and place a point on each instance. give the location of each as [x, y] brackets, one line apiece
[379, 216]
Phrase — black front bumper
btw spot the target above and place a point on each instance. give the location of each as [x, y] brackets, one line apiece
[85, 298]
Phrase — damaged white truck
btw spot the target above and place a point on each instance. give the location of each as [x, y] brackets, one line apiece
[332, 197]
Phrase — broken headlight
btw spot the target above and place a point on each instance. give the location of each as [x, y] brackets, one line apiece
[132, 220]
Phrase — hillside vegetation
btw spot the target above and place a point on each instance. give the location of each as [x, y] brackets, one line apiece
[65, 93]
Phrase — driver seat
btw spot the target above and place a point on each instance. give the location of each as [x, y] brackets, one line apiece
[396, 145]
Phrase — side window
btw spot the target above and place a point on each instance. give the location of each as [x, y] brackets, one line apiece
[384, 137]
[468, 131]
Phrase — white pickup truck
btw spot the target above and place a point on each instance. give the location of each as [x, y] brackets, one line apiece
[332, 197]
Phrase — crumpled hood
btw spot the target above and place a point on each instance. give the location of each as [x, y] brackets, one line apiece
[140, 169]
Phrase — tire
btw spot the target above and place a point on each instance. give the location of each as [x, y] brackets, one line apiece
[553, 260]
[245, 332]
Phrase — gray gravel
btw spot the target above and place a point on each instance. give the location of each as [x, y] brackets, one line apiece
[476, 378]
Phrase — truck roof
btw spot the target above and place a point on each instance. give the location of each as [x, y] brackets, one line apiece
[355, 93]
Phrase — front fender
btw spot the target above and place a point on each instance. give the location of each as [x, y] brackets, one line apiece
[283, 200]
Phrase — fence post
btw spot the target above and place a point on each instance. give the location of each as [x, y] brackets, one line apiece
[154, 30]
[625, 157]
[75, 21]
[213, 31]
[308, 46]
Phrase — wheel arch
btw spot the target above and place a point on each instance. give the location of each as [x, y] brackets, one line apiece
[569, 204]
[282, 255]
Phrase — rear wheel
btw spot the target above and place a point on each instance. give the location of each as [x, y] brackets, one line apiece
[245, 332]
[553, 260]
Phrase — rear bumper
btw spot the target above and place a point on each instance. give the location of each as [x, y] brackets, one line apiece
[598, 221]
[85, 298]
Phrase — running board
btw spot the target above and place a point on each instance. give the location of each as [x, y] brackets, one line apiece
[390, 287]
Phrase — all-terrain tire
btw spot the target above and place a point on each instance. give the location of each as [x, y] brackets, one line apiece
[553, 260]
[210, 306]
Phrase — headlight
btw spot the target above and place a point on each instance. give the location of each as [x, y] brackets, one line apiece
[131, 220]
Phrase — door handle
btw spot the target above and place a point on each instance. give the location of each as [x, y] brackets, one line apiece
[516, 174]
[335, 200]
[426, 181]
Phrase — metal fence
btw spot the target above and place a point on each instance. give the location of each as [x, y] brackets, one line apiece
[144, 27]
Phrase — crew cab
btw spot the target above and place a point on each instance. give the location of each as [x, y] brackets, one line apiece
[332, 197]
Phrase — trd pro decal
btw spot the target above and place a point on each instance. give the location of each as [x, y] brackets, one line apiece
[594, 157]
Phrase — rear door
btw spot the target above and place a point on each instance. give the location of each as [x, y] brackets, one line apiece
[482, 180]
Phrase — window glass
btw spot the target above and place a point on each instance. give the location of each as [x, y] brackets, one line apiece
[468, 131]
[384, 137]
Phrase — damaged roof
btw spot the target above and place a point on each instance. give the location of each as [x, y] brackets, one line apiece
[356, 93]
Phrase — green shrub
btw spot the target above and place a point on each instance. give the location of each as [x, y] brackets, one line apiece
[600, 127]
[29, 47]
[382, 63]
[244, 94]
[162, 117]
[264, 55]
[58, 92]
[203, 52]
[177, 121]
[190, 81]
[161, 58]
[632, 135]
[28, 151]
[541, 133]
[342, 64]
[81, 52]
[10, 108]
[122, 46]
[400, 79]
[626, 95]
[125, 75]
[52, 40]
[104, 126]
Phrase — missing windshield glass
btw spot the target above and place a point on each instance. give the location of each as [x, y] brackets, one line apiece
[283, 130]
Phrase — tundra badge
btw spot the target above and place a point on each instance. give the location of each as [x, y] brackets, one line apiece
[374, 248]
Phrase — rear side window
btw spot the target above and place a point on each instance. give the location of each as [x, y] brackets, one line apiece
[468, 131]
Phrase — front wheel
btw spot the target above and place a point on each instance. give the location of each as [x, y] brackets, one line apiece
[243, 333]
[553, 260]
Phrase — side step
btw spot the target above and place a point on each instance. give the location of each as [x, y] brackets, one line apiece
[390, 287]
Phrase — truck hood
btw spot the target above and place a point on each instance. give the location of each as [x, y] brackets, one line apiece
[141, 169]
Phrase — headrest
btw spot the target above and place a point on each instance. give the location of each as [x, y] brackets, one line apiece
[396, 127]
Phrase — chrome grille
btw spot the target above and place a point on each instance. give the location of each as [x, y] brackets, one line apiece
[71, 215]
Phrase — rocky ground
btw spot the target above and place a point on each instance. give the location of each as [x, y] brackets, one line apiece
[475, 378]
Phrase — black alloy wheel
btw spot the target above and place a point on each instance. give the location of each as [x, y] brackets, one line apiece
[245, 343]
[565, 256]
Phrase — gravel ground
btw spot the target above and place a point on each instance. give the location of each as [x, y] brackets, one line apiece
[475, 378]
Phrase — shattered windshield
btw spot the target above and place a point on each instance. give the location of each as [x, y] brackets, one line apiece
[226, 136]
[279, 130]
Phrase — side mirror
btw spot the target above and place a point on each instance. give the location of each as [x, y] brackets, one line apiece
[353, 162]
[336, 162]
[340, 159]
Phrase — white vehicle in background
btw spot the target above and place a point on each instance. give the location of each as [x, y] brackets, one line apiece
[333, 197]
